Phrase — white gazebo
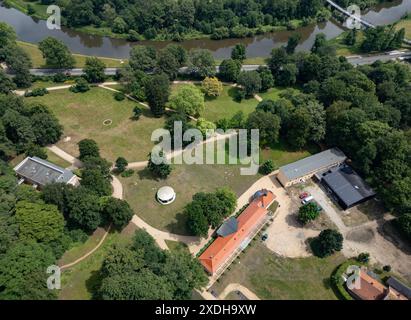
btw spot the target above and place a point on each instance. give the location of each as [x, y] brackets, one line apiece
[166, 195]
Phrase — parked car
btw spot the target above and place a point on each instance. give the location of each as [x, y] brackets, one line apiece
[318, 207]
[304, 195]
[307, 200]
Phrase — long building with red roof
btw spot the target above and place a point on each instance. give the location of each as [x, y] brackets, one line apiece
[235, 234]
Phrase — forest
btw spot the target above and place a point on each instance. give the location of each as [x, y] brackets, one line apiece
[170, 19]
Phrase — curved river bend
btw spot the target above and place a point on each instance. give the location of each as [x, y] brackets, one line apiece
[33, 31]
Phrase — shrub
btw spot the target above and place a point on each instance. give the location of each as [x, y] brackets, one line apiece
[327, 243]
[77, 235]
[387, 268]
[80, 86]
[134, 36]
[121, 164]
[212, 87]
[363, 257]
[34, 150]
[308, 212]
[267, 167]
[37, 92]
[127, 173]
[59, 77]
[119, 96]
[137, 112]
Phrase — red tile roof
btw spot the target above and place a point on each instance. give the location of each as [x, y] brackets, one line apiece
[369, 289]
[222, 248]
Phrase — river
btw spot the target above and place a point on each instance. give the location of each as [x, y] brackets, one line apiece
[33, 31]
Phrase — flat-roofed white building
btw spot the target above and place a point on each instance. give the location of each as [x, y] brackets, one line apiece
[302, 170]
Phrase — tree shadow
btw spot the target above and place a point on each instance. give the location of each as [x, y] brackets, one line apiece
[234, 93]
[292, 221]
[145, 174]
[93, 284]
[179, 226]
[327, 283]
[390, 232]
[209, 98]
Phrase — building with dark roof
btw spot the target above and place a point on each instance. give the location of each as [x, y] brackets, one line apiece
[346, 186]
[304, 169]
[399, 287]
[39, 173]
[228, 227]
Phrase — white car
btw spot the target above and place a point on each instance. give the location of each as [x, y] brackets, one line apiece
[307, 200]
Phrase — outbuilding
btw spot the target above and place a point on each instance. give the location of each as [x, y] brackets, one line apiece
[346, 186]
[39, 172]
[166, 195]
[302, 170]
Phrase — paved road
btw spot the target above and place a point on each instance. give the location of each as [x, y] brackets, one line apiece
[111, 71]
[355, 60]
[369, 59]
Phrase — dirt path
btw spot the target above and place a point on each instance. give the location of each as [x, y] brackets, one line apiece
[238, 287]
[85, 256]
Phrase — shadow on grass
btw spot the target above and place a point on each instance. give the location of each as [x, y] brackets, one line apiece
[145, 174]
[93, 284]
[234, 93]
[180, 225]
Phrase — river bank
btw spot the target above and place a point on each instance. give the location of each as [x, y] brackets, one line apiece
[258, 47]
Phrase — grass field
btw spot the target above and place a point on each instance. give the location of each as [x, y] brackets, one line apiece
[82, 116]
[344, 49]
[273, 277]
[176, 246]
[39, 62]
[225, 106]
[140, 191]
[79, 282]
[406, 24]
[281, 154]
[57, 160]
[273, 93]
[50, 157]
[40, 9]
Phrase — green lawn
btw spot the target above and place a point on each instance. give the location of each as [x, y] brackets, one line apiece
[281, 154]
[140, 191]
[40, 9]
[51, 156]
[82, 115]
[39, 62]
[273, 277]
[406, 24]
[273, 93]
[176, 246]
[79, 282]
[225, 106]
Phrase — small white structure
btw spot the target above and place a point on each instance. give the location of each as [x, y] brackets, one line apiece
[166, 195]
